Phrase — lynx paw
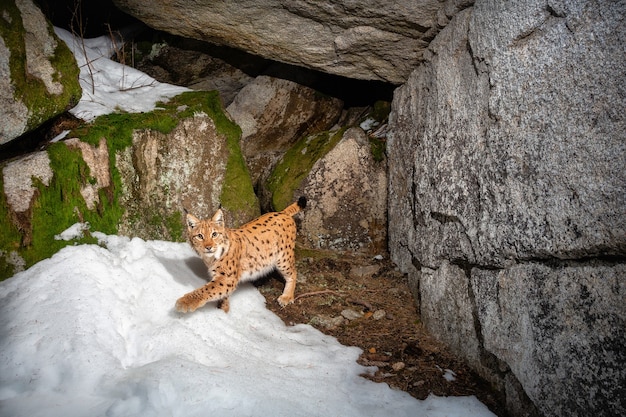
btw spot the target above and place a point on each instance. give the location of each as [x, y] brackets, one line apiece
[224, 305]
[187, 304]
[285, 300]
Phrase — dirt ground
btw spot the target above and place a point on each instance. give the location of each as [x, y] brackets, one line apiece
[382, 321]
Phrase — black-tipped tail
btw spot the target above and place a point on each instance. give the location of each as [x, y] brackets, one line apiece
[294, 208]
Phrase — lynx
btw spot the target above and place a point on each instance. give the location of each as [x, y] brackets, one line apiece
[245, 254]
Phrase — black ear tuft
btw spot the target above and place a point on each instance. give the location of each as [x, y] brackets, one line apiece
[192, 220]
[302, 202]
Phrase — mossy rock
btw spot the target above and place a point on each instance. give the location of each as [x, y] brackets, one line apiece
[296, 164]
[60, 204]
[31, 91]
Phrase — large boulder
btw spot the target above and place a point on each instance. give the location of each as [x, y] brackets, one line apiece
[162, 173]
[364, 39]
[38, 73]
[507, 199]
[348, 198]
[273, 114]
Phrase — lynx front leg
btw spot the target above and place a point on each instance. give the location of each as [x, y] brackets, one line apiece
[224, 305]
[215, 290]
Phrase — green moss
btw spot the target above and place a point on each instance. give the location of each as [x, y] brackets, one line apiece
[60, 204]
[237, 191]
[377, 147]
[381, 111]
[10, 237]
[174, 224]
[297, 163]
[30, 90]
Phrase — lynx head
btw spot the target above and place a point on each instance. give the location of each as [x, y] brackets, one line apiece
[208, 237]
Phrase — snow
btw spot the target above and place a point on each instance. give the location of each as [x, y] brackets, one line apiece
[92, 331]
[75, 231]
[109, 86]
[368, 124]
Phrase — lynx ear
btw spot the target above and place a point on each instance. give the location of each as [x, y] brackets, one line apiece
[192, 220]
[218, 217]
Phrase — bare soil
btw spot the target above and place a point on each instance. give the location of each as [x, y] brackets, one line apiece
[387, 326]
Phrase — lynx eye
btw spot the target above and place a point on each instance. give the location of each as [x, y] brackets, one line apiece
[200, 236]
[214, 235]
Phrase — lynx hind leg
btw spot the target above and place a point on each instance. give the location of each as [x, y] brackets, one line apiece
[288, 270]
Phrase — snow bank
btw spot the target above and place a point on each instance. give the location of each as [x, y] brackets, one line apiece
[92, 331]
[109, 86]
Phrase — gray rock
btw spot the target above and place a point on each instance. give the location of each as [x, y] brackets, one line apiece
[327, 322]
[346, 189]
[510, 177]
[189, 65]
[364, 270]
[350, 314]
[364, 39]
[20, 191]
[18, 178]
[14, 113]
[194, 166]
[561, 329]
[505, 164]
[379, 314]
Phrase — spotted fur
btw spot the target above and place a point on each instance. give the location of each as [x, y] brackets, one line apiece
[238, 255]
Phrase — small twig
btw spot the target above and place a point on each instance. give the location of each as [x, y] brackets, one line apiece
[309, 294]
[362, 303]
[77, 15]
[136, 87]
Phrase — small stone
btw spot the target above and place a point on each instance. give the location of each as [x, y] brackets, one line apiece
[379, 314]
[378, 257]
[351, 314]
[394, 291]
[326, 322]
[364, 271]
[398, 366]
